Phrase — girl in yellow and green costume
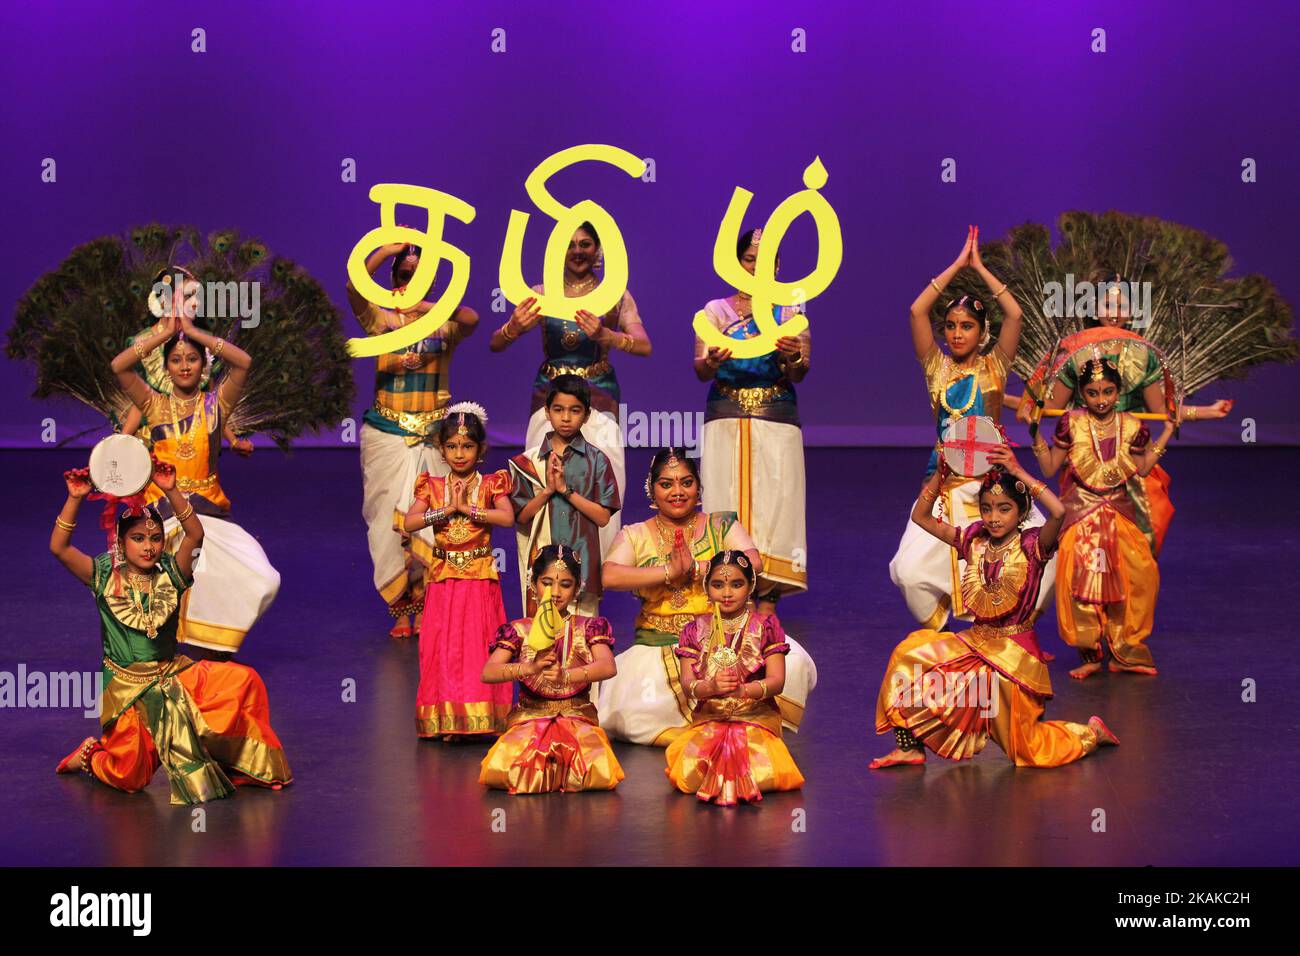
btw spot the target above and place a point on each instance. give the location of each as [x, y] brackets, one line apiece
[206, 723]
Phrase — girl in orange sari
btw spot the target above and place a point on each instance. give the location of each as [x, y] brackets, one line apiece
[952, 692]
[552, 740]
[207, 724]
[1108, 572]
[733, 668]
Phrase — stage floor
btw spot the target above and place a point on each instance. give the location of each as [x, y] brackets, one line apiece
[1202, 777]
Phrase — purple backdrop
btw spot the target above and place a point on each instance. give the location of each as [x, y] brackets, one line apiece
[252, 133]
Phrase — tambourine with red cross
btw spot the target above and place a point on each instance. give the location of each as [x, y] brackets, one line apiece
[967, 442]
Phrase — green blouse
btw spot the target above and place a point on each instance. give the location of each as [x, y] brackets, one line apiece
[123, 622]
[1138, 367]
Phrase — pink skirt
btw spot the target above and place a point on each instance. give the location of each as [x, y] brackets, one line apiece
[461, 618]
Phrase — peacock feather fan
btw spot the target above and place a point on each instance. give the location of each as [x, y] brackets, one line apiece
[1208, 326]
[76, 318]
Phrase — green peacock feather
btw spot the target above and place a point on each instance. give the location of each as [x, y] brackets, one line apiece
[1209, 326]
[75, 318]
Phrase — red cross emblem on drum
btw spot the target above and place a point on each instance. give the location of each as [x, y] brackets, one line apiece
[967, 442]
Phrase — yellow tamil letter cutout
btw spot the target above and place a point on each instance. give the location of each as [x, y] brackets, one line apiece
[567, 220]
[762, 285]
[432, 251]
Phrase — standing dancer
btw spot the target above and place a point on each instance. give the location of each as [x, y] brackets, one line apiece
[398, 443]
[234, 583]
[952, 692]
[1108, 570]
[1145, 386]
[733, 667]
[552, 741]
[752, 459]
[463, 609]
[206, 723]
[564, 492]
[963, 382]
[581, 346]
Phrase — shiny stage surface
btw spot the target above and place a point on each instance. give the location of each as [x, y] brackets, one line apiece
[1202, 777]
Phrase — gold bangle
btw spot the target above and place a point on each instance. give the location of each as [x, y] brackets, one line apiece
[65, 525]
[690, 692]
[505, 332]
[216, 349]
[139, 350]
[1191, 413]
[936, 287]
[928, 496]
[1036, 488]
[188, 513]
[1000, 291]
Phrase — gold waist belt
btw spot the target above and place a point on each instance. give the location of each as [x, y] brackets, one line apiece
[985, 632]
[668, 623]
[144, 672]
[196, 484]
[750, 399]
[582, 371]
[458, 559]
[418, 423]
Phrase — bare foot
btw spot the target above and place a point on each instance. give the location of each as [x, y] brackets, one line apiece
[402, 628]
[897, 758]
[72, 763]
[1105, 737]
[1132, 669]
[1084, 671]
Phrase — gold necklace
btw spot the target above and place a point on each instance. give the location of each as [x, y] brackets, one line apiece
[997, 589]
[1111, 474]
[185, 439]
[137, 601]
[744, 300]
[581, 287]
[724, 654]
[949, 365]
[677, 596]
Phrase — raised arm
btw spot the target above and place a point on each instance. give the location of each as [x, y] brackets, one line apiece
[922, 330]
[376, 259]
[1038, 491]
[1009, 334]
[164, 476]
[236, 360]
[74, 559]
[923, 510]
[123, 365]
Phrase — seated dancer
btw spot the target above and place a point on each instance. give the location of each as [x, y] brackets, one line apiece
[399, 431]
[235, 583]
[207, 723]
[733, 667]
[664, 561]
[964, 381]
[1108, 571]
[463, 610]
[951, 692]
[552, 740]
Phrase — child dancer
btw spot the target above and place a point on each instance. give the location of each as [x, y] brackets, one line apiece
[951, 692]
[963, 381]
[553, 741]
[564, 491]
[199, 721]
[733, 667]
[1108, 572]
[462, 598]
